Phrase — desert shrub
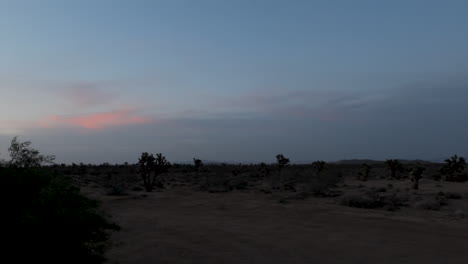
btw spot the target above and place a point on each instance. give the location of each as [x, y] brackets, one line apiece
[459, 177]
[451, 195]
[95, 173]
[428, 204]
[264, 170]
[416, 175]
[117, 185]
[364, 173]
[49, 220]
[237, 183]
[379, 189]
[319, 184]
[214, 183]
[137, 189]
[197, 163]
[361, 201]
[394, 200]
[433, 202]
[375, 198]
[319, 166]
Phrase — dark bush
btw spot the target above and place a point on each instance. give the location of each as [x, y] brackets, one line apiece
[361, 201]
[459, 177]
[320, 185]
[47, 219]
[373, 198]
[238, 183]
[454, 196]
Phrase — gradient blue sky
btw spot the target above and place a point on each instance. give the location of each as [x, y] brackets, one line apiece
[96, 81]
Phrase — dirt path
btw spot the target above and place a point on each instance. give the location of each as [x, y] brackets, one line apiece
[189, 227]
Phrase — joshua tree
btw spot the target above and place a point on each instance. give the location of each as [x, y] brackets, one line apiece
[197, 163]
[416, 175]
[282, 161]
[453, 165]
[161, 165]
[365, 172]
[394, 166]
[22, 155]
[146, 163]
[319, 166]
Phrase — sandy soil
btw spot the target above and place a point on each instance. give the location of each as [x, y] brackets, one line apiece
[184, 226]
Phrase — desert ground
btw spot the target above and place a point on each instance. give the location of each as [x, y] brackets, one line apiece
[236, 214]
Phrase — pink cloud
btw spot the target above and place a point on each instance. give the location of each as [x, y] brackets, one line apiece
[97, 121]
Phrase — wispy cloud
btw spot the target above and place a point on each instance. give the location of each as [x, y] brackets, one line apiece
[87, 94]
[325, 105]
[97, 121]
[10, 127]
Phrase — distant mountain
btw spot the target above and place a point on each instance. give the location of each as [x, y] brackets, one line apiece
[357, 161]
[369, 161]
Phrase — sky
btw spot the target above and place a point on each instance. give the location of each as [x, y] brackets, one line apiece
[235, 80]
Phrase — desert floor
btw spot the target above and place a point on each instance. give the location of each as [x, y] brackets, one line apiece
[181, 225]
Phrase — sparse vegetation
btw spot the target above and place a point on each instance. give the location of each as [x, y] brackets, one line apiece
[395, 168]
[197, 163]
[319, 166]
[454, 168]
[332, 182]
[364, 173]
[416, 175]
[281, 162]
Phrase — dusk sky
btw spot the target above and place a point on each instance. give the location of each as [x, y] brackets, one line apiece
[239, 81]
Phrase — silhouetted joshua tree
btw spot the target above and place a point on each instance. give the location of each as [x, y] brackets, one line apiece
[416, 175]
[365, 172]
[453, 165]
[282, 161]
[319, 165]
[146, 163]
[198, 164]
[161, 165]
[394, 166]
